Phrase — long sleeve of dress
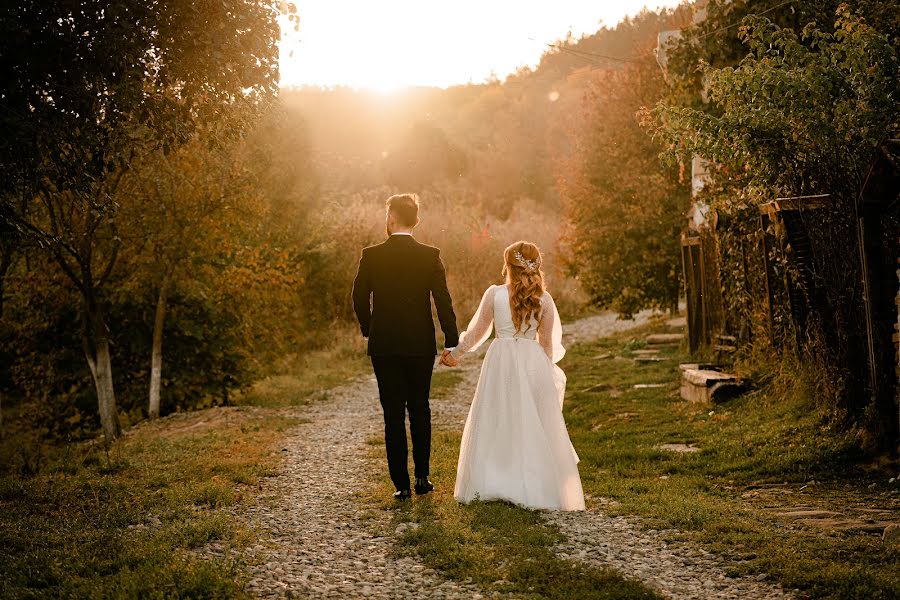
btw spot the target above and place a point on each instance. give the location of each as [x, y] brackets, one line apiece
[479, 328]
[545, 329]
[550, 339]
[550, 330]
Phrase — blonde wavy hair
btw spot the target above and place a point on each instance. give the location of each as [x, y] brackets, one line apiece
[522, 269]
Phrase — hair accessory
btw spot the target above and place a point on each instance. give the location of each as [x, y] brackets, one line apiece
[531, 265]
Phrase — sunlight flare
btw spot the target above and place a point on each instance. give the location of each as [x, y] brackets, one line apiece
[387, 46]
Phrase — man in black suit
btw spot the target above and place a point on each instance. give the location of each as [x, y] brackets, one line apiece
[392, 293]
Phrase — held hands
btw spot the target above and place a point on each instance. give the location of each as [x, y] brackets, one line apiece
[447, 359]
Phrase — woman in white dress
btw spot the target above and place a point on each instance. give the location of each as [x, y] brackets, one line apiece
[515, 445]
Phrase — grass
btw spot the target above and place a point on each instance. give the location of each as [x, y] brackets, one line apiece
[443, 382]
[496, 545]
[124, 525]
[715, 496]
[308, 378]
[765, 451]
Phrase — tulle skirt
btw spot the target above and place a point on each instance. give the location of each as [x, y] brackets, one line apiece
[515, 445]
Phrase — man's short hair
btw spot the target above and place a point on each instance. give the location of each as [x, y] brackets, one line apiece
[405, 208]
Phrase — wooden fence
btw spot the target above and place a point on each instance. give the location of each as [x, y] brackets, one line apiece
[823, 268]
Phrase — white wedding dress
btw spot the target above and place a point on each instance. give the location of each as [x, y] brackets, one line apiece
[515, 445]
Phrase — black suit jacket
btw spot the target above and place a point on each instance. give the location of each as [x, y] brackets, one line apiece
[400, 276]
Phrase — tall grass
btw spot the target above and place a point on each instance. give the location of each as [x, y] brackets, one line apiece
[306, 376]
[470, 238]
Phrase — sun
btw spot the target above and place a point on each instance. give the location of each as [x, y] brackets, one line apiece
[384, 48]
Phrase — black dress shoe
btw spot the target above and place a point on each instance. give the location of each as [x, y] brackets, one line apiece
[423, 486]
[401, 495]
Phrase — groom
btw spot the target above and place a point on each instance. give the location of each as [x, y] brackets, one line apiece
[392, 296]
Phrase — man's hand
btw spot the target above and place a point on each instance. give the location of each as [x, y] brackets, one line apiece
[447, 360]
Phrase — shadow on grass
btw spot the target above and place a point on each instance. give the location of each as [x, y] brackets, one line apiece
[496, 545]
[771, 436]
[90, 525]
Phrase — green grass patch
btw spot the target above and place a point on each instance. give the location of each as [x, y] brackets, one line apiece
[772, 435]
[443, 383]
[496, 545]
[766, 451]
[307, 378]
[92, 525]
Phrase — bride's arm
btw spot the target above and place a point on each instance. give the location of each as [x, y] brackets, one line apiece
[545, 339]
[550, 329]
[479, 328]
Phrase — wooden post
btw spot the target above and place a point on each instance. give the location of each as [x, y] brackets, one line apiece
[704, 312]
[897, 345]
[746, 286]
[862, 239]
[692, 262]
[896, 339]
[764, 222]
[690, 291]
[687, 295]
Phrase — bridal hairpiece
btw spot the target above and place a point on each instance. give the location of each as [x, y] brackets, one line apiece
[531, 265]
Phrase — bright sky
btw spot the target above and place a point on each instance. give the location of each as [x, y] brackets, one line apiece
[388, 44]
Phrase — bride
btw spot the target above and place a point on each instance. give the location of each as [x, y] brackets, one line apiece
[515, 446]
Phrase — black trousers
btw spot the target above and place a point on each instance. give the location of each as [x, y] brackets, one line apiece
[403, 385]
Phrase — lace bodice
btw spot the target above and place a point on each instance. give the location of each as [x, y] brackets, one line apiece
[494, 310]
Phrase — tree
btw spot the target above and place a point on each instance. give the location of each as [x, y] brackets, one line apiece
[802, 113]
[716, 41]
[88, 87]
[181, 207]
[624, 208]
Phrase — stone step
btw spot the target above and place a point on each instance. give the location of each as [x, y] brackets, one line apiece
[705, 386]
[663, 339]
[848, 525]
[807, 514]
[646, 352]
[677, 323]
[600, 387]
[700, 366]
[680, 448]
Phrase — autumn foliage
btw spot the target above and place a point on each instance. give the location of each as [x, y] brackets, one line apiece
[624, 207]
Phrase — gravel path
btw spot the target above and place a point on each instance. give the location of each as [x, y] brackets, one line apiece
[322, 544]
[682, 571]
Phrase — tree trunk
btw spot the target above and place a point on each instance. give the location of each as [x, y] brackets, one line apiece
[6, 260]
[674, 292]
[156, 351]
[109, 415]
[96, 349]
